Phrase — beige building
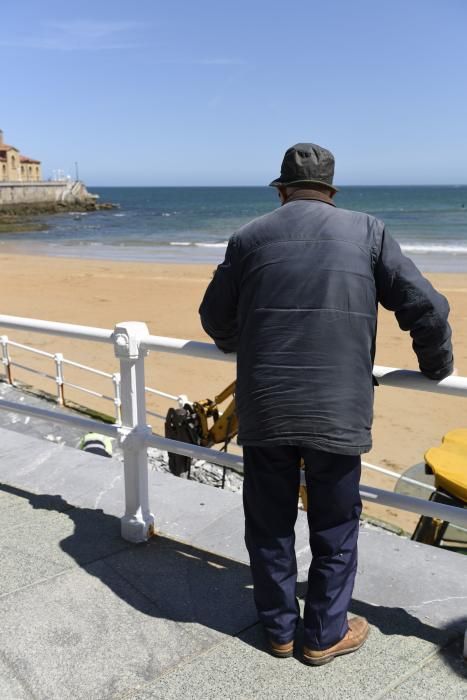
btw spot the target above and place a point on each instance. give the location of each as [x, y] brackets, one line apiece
[15, 167]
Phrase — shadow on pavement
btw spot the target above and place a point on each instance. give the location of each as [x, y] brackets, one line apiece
[172, 580]
[163, 578]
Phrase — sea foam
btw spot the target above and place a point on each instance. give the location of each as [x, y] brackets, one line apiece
[434, 248]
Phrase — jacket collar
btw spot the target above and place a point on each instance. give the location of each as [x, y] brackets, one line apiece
[310, 194]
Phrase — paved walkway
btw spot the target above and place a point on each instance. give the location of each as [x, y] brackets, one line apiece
[84, 614]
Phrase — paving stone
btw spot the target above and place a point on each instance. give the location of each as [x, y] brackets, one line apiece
[10, 687]
[443, 677]
[41, 536]
[426, 581]
[90, 634]
[190, 585]
[42, 467]
[18, 500]
[186, 508]
[240, 668]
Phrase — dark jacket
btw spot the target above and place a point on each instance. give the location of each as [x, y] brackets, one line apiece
[297, 298]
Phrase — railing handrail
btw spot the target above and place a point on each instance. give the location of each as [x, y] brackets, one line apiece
[413, 379]
[70, 330]
[387, 376]
[396, 475]
[36, 351]
[87, 424]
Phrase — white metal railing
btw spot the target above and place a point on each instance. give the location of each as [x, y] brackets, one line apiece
[395, 475]
[131, 341]
[60, 362]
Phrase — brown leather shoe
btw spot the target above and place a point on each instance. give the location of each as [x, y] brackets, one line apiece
[353, 640]
[282, 651]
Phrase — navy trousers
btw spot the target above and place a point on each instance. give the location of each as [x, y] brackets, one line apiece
[270, 498]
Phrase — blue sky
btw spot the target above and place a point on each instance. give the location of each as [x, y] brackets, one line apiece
[212, 93]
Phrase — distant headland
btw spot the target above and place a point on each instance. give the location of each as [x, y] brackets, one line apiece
[23, 192]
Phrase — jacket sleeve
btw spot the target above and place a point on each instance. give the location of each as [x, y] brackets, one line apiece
[418, 307]
[218, 310]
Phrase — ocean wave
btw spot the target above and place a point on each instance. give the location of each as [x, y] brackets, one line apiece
[451, 248]
[199, 244]
[434, 248]
[212, 245]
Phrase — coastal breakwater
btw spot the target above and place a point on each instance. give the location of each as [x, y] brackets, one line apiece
[18, 198]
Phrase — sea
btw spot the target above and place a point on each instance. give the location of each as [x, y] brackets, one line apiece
[193, 224]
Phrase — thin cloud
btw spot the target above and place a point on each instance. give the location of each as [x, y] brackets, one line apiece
[202, 61]
[220, 62]
[92, 29]
[78, 35]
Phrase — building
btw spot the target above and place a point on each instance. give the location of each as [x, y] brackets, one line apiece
[15, 167]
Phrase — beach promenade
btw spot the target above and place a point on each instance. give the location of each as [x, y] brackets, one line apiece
[87, 615]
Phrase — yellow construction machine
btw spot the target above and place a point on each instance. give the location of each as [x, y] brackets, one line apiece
[448, 465]
[203, 423]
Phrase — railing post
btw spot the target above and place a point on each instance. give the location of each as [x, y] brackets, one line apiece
[58, 357]
[6, 358]
[117, 398]
[138, 522]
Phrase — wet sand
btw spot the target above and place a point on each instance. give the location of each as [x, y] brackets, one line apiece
[167, 297]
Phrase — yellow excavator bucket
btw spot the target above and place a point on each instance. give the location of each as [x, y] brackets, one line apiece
[449, 463]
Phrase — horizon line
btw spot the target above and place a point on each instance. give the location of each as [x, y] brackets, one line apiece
[454, 184]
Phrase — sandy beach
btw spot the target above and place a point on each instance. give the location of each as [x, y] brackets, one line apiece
[166, 297]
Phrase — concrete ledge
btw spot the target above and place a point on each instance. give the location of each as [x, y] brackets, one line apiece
[17, 196]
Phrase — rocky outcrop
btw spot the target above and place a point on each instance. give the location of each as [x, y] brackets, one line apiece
[13, 210]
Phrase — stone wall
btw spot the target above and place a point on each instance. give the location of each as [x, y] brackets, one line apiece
[13, 194]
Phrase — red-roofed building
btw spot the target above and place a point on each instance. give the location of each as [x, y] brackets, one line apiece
[15, 167]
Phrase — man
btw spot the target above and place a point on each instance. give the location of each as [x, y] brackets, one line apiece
[296, 297]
